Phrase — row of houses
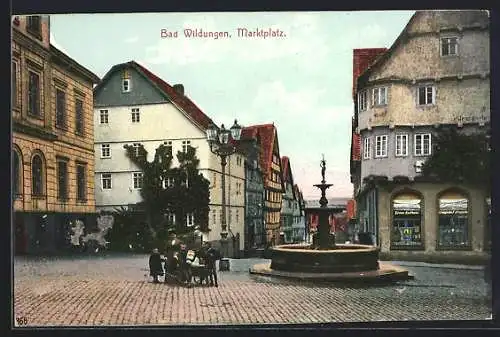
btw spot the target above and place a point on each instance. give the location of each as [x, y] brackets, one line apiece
[436, 75]
[69, 160]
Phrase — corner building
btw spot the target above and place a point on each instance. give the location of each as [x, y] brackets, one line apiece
[435, 74]
[53, 136]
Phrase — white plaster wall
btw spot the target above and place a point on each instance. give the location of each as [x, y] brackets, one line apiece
[159, 123]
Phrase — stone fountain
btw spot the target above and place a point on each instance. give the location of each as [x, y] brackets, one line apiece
[325, 260]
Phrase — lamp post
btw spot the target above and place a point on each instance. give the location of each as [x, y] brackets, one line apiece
[223, 143]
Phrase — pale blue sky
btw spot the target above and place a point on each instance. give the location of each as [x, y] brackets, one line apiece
[302, 82]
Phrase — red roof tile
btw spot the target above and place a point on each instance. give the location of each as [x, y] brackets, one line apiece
[285, 162]
[356, 146]
[362, 59]
[181, 100]
[268, 136]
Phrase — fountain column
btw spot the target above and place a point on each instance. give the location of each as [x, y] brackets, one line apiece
[323, 233]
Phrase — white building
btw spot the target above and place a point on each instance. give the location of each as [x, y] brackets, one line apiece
[133, 106]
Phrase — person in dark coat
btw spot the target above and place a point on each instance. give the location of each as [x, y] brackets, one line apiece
[211, 255]
[155, 265]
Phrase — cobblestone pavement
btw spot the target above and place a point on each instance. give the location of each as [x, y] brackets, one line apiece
[116, 290]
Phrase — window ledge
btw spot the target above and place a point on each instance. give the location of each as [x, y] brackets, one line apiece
[454, 248]
[81, 201]
[39, 117]
[38, 197]
[62, 128]
[412, 248]
[18, 196]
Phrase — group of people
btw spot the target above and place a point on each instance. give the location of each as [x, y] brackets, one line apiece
[182, 265]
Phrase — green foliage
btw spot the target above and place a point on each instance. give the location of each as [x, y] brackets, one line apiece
[188, 194]
[460, 158]
[130, 232]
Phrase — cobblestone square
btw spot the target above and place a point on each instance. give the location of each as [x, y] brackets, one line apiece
[116, 290]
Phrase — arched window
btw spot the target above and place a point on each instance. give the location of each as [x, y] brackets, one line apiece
[37, 175]
[16, 173]
[406, 221]
[453, 226]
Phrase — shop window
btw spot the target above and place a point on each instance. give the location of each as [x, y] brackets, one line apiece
[406, 221]
[453, 225]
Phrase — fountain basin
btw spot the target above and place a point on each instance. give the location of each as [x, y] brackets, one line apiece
[344, 262]
[344, 258]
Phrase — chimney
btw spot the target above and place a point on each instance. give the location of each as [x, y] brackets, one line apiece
[179, 89]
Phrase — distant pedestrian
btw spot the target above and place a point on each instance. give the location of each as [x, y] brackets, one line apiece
[155, 265]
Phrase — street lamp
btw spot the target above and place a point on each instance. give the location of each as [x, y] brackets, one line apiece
[223, 143]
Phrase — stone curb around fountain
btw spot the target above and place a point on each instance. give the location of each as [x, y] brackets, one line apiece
[386, 272]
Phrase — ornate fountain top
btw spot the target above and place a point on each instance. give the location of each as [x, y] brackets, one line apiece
[323, 169]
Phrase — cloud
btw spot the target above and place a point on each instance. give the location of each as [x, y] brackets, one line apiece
[132, 39]
[303, 39]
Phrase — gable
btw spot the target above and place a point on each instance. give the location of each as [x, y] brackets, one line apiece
[418, 44]
[109, 92]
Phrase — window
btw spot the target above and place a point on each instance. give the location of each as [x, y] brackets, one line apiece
[168, 182]
[406, 221]
[453, 221]
[401, 145]
[168, 144]
[367, 148]
[237, 216]
[423, 144]
[60, 109]
[185, 145]
[136, 115]
[104, 117]
[34, 94]
[105, 151]
[81, 182]
[14, 85]
[106, 181]
[214, 216]
[171, 218]
[62, 179]
[214, 180]
[362, 100]
[426, 95]
[138, 180]
[136, 146]
[379, 96]
[79, 116]
[17, 173]
[190, 219]
[34, 24]
[449, 46]
[37, 173]
[381, 146]
[125, 85]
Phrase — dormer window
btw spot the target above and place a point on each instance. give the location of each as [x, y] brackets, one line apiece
[449, 46]
[34, 25]
[126, 85]
[126, 81]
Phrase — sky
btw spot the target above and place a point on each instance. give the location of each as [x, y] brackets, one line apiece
[301, 80]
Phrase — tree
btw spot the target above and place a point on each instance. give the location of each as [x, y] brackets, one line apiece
[187, 194]
[460, 158]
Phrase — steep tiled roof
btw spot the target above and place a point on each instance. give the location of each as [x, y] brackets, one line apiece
[267, 135]
[362, 59]
[285, 162]
[181, 101]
